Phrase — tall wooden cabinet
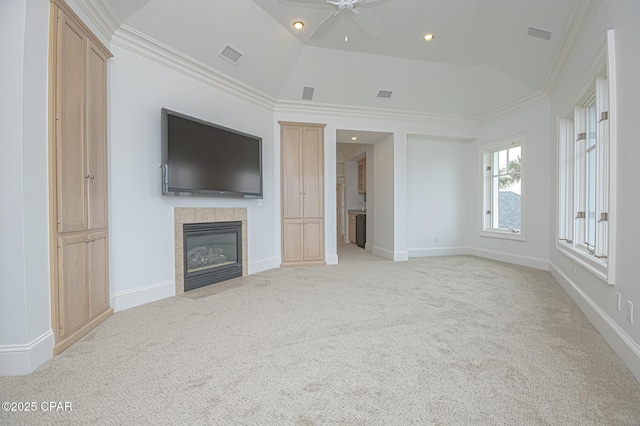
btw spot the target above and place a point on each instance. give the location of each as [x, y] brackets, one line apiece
[302, 193]
[78, 177]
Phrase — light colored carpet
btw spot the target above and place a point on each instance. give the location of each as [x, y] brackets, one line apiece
[434, 341]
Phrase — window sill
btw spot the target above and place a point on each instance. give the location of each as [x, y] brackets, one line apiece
[588, 262]
[504, 235]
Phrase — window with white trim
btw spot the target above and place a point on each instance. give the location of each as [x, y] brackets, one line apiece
[503, 203]
[583, 172]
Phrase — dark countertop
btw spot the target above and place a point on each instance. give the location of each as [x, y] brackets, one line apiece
[356, 211]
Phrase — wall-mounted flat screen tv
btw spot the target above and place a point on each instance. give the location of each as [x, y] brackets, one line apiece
[204, 159]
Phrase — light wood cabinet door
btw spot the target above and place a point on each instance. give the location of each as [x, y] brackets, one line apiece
[293, 240]
[98, 273]
[73, 309]
[313, 239]
[96, 142]
[313, 176]
[70, 147]
[292, 185]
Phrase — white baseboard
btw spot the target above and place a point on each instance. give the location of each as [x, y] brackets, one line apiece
[331, 259]
[438, 251]
[368, 247]
[263, 265]
[516, 259]
[16, 360]
[622, 344]
[400, 256]
[387, 254]
[140, 296]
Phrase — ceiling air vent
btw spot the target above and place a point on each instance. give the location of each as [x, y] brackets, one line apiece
[231, 54]
[537, 32]
[307, 93]
[385, 94]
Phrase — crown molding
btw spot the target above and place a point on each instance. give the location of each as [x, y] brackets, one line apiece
[583, 14]
[152, 49]
[102, 15]
[301, 107]
[529, 102]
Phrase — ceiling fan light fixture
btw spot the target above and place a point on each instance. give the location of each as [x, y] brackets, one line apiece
[298, 25]
[428, 37]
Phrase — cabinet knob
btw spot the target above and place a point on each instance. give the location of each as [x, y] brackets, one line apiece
[92, 177]
[86, 176]
[93, 240]
[87, 241]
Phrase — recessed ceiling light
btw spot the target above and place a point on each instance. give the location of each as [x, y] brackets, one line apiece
[298, 25]
[354, 138]
[428, 37]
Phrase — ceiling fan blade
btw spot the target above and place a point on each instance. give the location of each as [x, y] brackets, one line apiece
[368, 22]
[325, 25]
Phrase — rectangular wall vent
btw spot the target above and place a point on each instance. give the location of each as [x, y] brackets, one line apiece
[386, 94]
[231, 54]
[307, 93]
[537, 32]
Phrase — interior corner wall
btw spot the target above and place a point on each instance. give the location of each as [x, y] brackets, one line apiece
[383, 189]
[438, 190]
[26, 340]
[141, 219]
[537, 168]
[351, 187]
[13, 316]
[400, 196]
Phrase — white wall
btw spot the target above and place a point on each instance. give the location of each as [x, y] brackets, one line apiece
[400, 162]
[371, 199]
[142, 227]
[383, 211]
[438, 180]
[596, 298]
[537, 166]
[26, 339]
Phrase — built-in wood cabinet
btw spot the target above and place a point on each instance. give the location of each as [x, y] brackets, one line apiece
[302, 193]
[362, 176]
[78, 177]
[83, 279]
[352, 228]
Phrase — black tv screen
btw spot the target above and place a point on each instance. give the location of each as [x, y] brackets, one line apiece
[202, 158]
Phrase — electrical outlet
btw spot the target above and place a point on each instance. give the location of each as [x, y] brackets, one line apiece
[259, 202]
[630, 311]
[618, 301]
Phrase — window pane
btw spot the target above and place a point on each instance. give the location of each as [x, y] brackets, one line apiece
[590, 234]
[507, 205]
[502, 162]
[508, 210]
[591, 125]
[503, 189]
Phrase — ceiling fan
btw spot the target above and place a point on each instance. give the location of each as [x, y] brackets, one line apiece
[352, 8]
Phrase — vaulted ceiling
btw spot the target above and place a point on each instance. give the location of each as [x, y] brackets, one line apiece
[480, 61]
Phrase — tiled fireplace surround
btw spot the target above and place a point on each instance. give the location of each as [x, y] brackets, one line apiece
[184, 215]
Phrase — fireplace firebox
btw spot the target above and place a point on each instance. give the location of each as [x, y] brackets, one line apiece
[212, 253]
